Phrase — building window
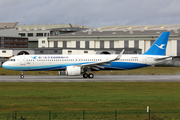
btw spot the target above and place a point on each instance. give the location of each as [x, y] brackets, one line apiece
[69, 51]
[126, 43]
[55, 44]
[16, 40]
[43, 41]
[11, 40]
[25, 40]
[6, 39]
[101, 44]
[39, 34]
[56, 33]
[22, 34]
[55, 51]
[3, 51]
[111, 44]
[85, 51]
[30, 34]
[77, 44]
[41, 51]
[21, 40]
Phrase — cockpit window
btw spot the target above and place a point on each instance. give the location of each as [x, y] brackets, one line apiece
[11, 60]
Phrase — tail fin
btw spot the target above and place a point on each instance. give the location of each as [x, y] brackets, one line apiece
[159, 46]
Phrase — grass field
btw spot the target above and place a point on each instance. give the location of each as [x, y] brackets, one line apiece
[98, 99]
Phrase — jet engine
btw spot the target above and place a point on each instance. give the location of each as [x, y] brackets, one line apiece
[73, 70]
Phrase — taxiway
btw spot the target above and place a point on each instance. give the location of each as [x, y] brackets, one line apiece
[97, 78]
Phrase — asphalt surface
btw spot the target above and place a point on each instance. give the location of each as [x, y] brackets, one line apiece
[97, 78]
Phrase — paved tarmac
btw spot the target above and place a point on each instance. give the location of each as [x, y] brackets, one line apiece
[97, 78]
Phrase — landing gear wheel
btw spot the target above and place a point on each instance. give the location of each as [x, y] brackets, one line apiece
[91, 75]
[85, 75]
[22, 76]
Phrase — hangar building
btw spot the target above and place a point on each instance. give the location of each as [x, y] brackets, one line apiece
[75, 39]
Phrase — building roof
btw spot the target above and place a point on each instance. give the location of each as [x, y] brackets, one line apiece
[140, 27]
[116, 33]
[49, 27]
[8, 25]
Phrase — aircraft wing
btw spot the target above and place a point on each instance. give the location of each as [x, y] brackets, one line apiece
[98, 65]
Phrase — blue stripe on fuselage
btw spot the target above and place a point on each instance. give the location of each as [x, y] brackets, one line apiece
[113, 65]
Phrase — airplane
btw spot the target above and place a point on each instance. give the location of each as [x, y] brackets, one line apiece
[73, 65]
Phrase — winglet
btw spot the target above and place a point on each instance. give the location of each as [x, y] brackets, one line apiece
[119, 56]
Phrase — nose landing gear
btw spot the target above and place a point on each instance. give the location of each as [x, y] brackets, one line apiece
[22, 75]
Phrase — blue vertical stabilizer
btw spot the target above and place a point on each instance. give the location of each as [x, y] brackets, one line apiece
[159, 46]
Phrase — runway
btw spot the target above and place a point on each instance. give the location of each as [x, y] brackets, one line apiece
[97, 78]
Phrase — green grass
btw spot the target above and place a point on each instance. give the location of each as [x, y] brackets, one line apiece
[99, 99]
[141, 71]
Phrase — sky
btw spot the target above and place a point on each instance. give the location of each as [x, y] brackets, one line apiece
[94, 13]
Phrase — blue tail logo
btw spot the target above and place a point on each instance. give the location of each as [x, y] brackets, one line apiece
[159, 46]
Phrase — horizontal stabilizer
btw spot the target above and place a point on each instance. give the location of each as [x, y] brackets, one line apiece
[164, 58]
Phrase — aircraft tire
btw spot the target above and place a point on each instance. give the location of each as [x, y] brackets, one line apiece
[91, 75]
[22, 76]
[85, 75]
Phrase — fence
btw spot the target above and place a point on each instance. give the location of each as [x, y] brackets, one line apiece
[92, 115]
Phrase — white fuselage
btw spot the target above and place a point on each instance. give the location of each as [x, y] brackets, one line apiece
[60, 62]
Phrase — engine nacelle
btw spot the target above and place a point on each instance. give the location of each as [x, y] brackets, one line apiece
[73, 70]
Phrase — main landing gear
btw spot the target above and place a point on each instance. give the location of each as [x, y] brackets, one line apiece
[90, 75]
[22, 75]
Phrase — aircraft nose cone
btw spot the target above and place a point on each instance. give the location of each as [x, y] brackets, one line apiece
[4, 65]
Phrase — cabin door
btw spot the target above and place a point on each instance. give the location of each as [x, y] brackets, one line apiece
[22, 60]
[144, 59]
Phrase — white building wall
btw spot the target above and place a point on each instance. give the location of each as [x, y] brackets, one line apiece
[121, 44]
[174, 47]
[147, 45]
[41, 43]
[106, 44]
[116, 44]
[68, 44]
[91, 44]
[7, 53]
[171, 49]
[77, 52]
[51, 43]
[81, 52]
[141, 45]
[97, 44]
[60, 44]
[73, 44]
[168, 48]
[82, 44]
[131, 43]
